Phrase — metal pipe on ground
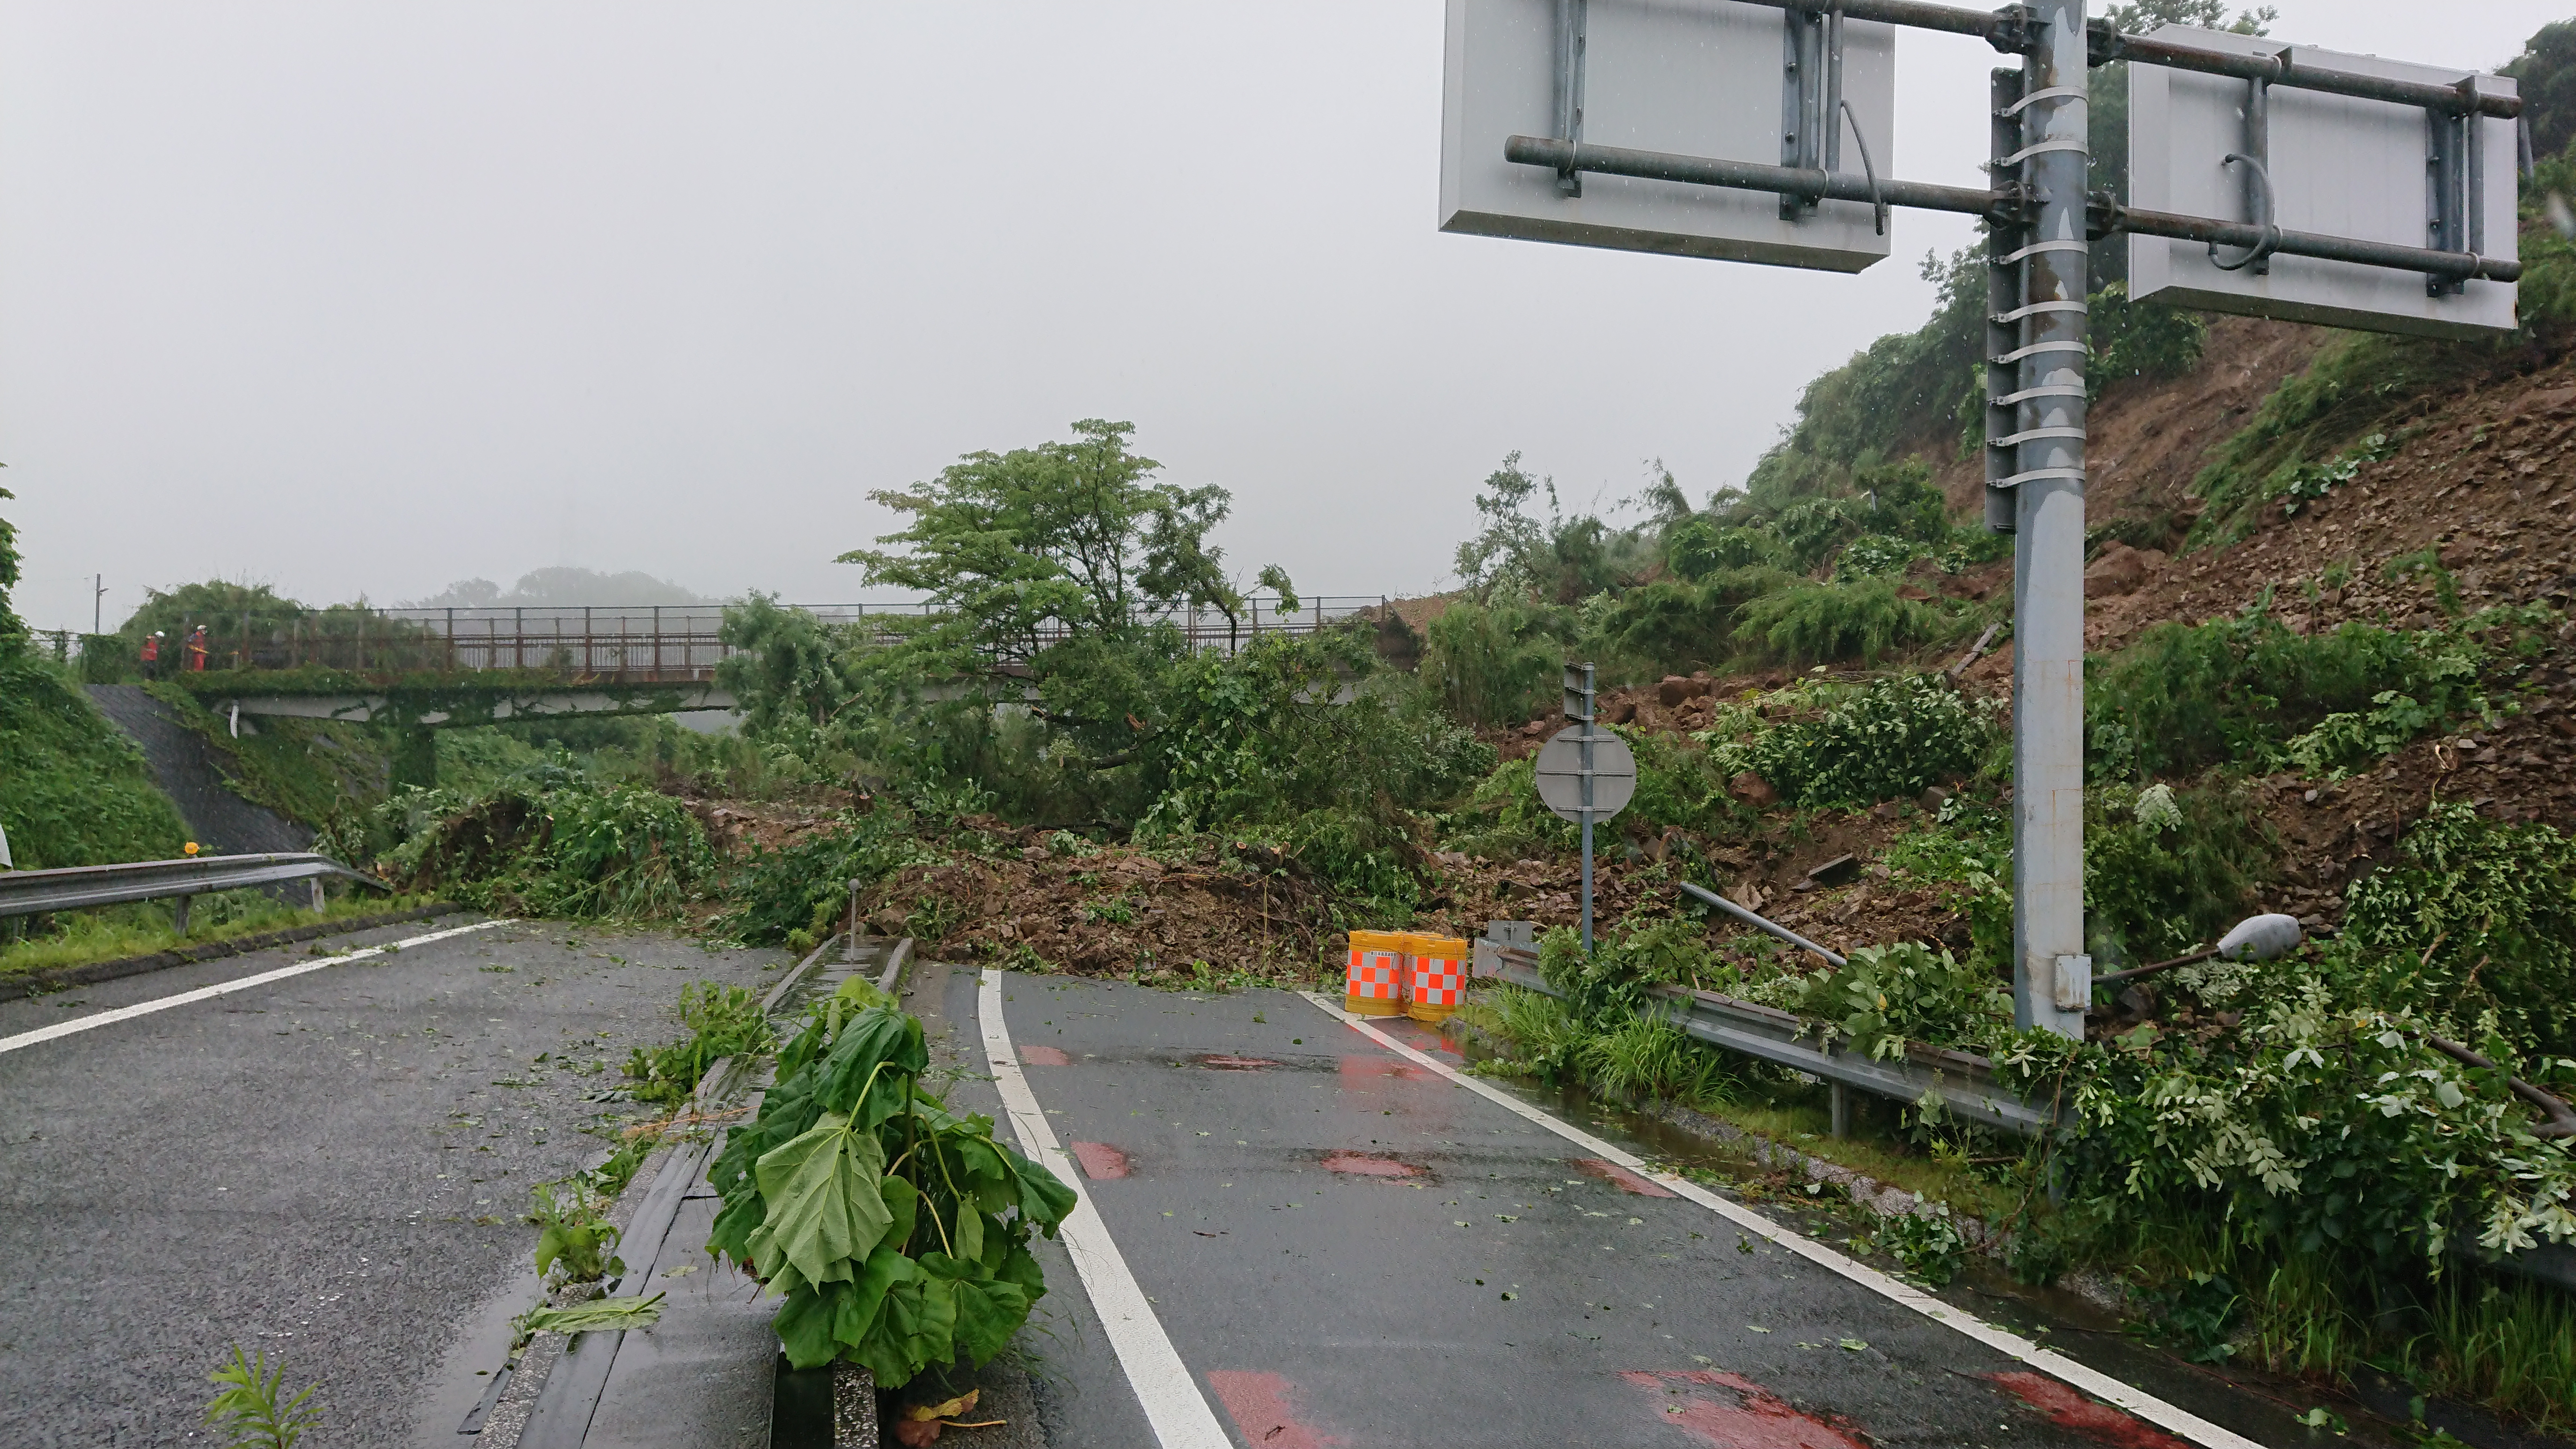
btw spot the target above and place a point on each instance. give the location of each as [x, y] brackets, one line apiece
[1712, 898]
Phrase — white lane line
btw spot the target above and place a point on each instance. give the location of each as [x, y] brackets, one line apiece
[1171, 1398]
[205, 993]
[2100, 1385]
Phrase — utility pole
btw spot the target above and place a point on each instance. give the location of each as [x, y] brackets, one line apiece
[98, 604]
[2052, 977]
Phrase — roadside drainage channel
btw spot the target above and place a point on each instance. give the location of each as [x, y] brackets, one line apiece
[697, 1376]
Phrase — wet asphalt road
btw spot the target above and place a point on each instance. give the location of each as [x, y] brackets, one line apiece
[330, 1168]
[1348, 1249]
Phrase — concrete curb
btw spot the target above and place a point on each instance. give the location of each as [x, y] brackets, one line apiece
[38, 983]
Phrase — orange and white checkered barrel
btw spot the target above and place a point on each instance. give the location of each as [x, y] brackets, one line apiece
[1377, 980]
[1438, 977]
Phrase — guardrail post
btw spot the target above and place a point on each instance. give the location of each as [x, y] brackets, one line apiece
[179, 915]
[321, 899]
[1841, 1110]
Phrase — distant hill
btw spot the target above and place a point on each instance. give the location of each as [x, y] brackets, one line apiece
[559, 588]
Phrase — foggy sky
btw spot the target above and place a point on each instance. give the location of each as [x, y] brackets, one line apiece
[367, 298]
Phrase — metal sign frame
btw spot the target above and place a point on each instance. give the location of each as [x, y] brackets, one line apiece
[2040, 221]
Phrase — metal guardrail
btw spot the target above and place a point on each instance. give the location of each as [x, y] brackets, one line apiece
[1963, 1084]
[78, 887]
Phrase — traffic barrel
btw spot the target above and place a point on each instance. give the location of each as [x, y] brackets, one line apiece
[1378, 976]
[1438, 977]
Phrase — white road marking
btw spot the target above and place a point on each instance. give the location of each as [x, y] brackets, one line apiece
[2100, 1385]
[1171, 1398]
[206, 993]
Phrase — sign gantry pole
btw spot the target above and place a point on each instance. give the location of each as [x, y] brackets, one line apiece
[2052, 977]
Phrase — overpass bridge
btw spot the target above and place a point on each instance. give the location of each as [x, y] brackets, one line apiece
[426, 668]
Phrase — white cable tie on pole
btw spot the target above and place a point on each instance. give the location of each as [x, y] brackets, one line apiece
[2048, 246]
[2035, 308]
[2053, 93]
[2055, 389]
[2037, 348]
[2038, 475]
[2036, 435]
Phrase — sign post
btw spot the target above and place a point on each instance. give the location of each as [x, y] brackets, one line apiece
[1584, 774]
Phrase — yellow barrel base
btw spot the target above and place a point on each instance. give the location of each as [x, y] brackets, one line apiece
[1371, 1006]
[1430, 1013]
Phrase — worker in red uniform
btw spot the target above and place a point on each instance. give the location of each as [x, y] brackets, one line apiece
[152, 655]
[197, 649]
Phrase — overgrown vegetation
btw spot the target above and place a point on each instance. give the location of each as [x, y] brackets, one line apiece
[252, 1409]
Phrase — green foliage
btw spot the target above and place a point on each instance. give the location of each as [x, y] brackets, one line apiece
[1518, 557]
[1494, 663]
[573, 1232]
[13, 630]
[1037, 547]
[786, 665]
[794, 897]
[2140, 339]
[74, 789]
[595, 1315]
[723, 1021]
[2545, 78]
[2167, 871]
[248, 1410]
[896, 1232]
[2240, 689]
[1927, 1241]
[1884, 996]
[1907, 387]
[1863, 619]
[1253, 742]
[559, 847]
[1826, 746]
[2474, 929]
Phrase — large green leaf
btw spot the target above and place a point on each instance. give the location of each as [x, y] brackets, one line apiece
[735, 1222]
[1043, 1198]
[866, 1297]
[824, 1204]
[987, 1315]
[968, 1233]
[872, 1040]
[804, 1324]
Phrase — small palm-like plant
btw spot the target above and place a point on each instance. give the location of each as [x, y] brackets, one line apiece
[248, 1409]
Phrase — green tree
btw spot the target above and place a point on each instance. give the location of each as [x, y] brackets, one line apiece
[13, 630]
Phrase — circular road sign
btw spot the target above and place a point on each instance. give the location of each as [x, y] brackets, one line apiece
[1560, 774]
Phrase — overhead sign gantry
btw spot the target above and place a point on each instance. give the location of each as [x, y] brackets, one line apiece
[2267, 179]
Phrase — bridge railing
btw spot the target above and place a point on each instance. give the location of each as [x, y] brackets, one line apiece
[638, 644]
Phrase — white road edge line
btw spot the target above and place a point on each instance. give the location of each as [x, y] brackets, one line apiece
[2100, 1385]
[1170, 1396]
[206, 993]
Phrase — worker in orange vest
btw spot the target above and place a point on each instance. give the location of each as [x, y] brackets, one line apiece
[197, 649]
[152, 655]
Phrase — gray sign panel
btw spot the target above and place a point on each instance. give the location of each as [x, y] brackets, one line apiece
[1695, 77]
[2339, 166]
[1560, 774]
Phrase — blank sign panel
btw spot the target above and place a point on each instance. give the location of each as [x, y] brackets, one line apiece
[2340, 166]
[1689, 77]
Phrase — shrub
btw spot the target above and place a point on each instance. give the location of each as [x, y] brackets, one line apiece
[1493, 663]
[723, 1021]
[1884, 996]
[1892, 739]
[2169, 870]
[2240, 689]
[1863, 619]
[2475, 930]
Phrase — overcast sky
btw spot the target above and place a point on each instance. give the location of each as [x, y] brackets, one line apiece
[367, 297]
